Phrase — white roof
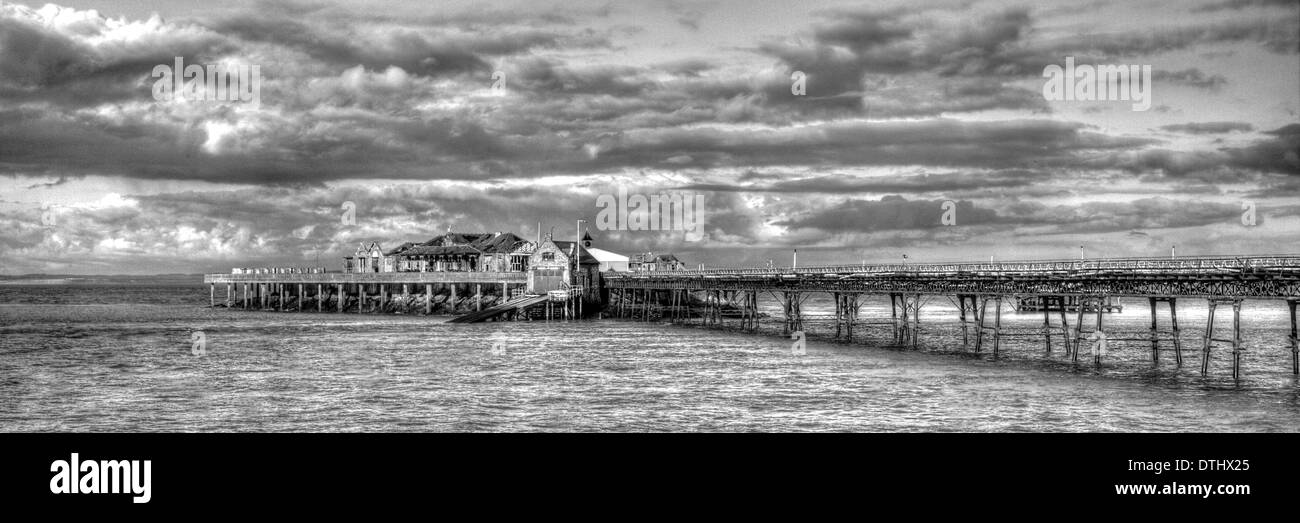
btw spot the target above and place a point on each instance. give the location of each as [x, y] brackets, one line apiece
[602, 255]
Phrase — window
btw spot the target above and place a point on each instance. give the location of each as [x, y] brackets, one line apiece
[548, 256]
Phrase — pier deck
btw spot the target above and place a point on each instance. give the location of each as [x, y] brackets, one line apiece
[1088, 284]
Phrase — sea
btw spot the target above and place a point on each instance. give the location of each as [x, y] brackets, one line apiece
[141, 356]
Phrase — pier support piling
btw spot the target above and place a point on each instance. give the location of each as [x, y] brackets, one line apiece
[1235, 340]
[997, 325]
[1295, 340]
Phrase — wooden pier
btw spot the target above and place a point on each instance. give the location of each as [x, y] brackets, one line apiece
[1061, 288]
[730, 297]
[366, 292]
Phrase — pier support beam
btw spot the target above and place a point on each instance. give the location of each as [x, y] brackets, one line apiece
[1057, 304]
[906, 313]
[966, 304]
[1295, 341]
[230, 295]
[1096, 303]
[1235, 340]
[997, 325]
[212, 295]
[428, 298]
[846, 314]
[793, 312]
[320, 297]
[1155, 329]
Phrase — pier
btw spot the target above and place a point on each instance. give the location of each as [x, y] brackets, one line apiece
[1061, 288]
[1074, 297]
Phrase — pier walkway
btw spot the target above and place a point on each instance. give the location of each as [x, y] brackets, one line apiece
[1086, 285]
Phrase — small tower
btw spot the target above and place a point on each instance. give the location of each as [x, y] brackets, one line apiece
[586, 239]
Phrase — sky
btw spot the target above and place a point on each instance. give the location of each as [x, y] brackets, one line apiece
[851, 132]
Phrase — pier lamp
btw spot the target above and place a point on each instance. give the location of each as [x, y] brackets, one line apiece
[577, 250]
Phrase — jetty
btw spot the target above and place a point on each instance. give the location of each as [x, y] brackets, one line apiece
[568, 280]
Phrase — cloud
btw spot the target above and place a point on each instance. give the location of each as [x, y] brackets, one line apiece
[908, 106]
[1191, 77]
[1209, 127]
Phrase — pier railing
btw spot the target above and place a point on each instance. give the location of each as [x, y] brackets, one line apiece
[1192, 265]
[371, 277]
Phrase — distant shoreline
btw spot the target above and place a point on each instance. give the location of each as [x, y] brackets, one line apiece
[144, 280]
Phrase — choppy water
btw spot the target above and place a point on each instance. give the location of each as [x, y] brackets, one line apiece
[100, 358]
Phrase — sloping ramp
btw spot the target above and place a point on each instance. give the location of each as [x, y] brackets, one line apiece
[497, 310]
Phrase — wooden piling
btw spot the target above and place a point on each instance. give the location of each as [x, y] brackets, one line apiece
[1047, 323]
[1065, 323]
[1155, 334]
[1235, 340]
[1173, 320]
[997, 324]
[1295, 340]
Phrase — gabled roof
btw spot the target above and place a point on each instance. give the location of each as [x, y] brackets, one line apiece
[435, 250]
[503, 243]
[398, 249]
[567, 247]
[457, 238]
[457, 243]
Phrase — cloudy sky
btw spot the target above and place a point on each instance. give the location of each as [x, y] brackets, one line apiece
[391, 106]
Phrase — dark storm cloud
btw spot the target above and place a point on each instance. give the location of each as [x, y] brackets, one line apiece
[988, 46]
[898, 213]
[420, 52]
[1279, 155]
[39, 63]
[1245, 4]
[1209, 127]
[1190, 77]
[916, 183]
[999, 144]
[888, 213]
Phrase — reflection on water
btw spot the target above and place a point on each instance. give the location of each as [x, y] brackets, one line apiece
[113, 359]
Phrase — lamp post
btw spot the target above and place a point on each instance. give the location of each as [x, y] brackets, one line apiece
[577, 250]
